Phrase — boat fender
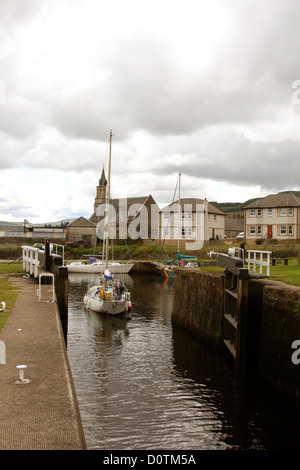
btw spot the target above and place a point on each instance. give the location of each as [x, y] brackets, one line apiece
[102, 294]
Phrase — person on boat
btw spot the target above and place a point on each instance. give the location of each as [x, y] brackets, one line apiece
[122, 288]
[116, 289]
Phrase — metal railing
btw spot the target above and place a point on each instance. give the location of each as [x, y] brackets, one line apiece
[259, 259]
[30, 255]
[54, 247]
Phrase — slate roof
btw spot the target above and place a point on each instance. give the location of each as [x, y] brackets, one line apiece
[193, 202]
[276, 200]
[81, 222]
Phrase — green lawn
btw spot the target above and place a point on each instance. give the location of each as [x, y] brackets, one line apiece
[8, 294]
[11, 268]
[289, 273]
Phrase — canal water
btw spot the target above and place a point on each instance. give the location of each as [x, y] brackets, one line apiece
[143, 384]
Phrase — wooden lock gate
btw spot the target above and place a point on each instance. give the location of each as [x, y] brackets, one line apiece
[235, 308]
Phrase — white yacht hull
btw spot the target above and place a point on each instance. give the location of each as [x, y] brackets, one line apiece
[99, 268]
[113, 306]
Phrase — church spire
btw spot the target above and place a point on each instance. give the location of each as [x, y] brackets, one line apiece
[102, 180]
[101, 191]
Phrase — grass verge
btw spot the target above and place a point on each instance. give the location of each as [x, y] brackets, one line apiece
[8, 294]
[289, 274]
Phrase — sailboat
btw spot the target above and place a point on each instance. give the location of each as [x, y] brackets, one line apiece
[108, 295]
[166, 269]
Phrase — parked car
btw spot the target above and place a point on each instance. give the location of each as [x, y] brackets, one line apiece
[241, 235]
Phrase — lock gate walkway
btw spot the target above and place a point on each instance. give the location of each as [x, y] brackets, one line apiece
[41, 411]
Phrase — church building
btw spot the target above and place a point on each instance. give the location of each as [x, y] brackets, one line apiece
[140, 213]
[100, 191]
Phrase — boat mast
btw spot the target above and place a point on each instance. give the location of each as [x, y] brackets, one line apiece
[179, 213]
[108, 201]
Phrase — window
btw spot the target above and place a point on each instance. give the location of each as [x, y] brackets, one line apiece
[166, 232]
[283, 211]
[252, 230]
[270, 212]
[282, 229]
[259, 212]
[183, 232]
[290, 230]
[215, 217]
[290, 211]
[259, 230]
[252, 212]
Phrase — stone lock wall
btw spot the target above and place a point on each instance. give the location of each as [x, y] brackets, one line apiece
[273, 323]
[198, 303]
[279, 329]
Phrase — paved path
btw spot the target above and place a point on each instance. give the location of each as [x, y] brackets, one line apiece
[41, 414]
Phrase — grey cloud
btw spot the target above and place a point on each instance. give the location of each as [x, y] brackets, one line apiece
[147, 89]
[142, 87]
[244, 163]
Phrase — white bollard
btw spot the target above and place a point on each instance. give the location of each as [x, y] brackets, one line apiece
[2, 353]
[21, 369]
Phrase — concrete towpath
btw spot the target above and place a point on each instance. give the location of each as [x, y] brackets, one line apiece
[40, 413]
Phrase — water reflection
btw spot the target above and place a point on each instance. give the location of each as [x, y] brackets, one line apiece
[143, 384]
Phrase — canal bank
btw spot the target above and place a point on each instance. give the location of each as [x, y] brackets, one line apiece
[41, 411]
[271, 325]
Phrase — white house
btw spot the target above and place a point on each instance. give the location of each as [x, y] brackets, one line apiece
[275, 216]
[195, 219]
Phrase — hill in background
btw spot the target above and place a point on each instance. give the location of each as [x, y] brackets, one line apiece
[236, 209]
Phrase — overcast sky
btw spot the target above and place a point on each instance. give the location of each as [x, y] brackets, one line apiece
[206, 88]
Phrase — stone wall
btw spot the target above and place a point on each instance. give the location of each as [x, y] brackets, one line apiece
[144, 267]
[280, 327]
[273, 323]
[198, 303]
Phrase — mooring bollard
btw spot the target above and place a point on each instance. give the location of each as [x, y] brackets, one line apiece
[21, 369]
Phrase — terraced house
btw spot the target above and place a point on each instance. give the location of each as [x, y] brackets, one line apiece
[276, 216]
